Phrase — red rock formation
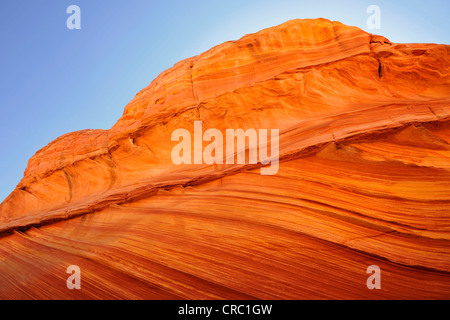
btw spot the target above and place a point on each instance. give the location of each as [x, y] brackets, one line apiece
[364, 179]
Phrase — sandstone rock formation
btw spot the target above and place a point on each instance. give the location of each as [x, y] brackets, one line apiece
[364, 179]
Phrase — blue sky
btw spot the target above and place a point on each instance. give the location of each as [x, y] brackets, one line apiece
[54, 80]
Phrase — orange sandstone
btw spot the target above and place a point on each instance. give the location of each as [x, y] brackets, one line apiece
[364, 179]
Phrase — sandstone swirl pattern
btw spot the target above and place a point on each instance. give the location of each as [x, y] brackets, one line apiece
[364, 179]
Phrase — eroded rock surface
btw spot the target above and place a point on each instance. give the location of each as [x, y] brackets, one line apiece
[364, 179]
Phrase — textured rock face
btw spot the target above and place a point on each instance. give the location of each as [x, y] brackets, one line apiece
[364, 179]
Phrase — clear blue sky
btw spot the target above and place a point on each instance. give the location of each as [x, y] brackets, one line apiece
[54, 80]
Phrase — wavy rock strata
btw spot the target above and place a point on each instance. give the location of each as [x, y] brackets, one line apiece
[364, 179]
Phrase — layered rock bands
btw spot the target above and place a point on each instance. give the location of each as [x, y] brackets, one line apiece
[363, 179]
